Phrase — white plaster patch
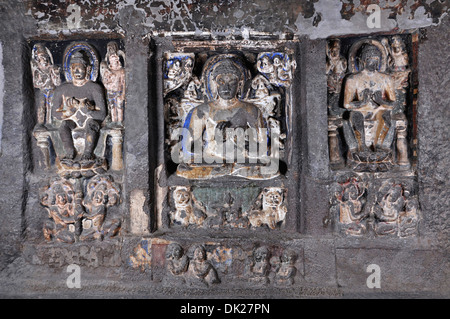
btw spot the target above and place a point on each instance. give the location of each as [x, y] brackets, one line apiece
[332, 23]
[420, 18]
[139, 220]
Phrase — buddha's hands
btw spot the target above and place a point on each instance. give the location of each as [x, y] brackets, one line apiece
[377, 97]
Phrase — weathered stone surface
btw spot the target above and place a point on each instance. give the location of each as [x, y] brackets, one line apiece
[433, 134]
[135, 263]
[316, 18]
[396, 274]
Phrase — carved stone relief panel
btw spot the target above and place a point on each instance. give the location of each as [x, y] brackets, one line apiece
[227, 116]
[371, 129]
[385, 208]
[396, 210]
[370, 103]
[225, 121]
[80, 130]
[263, 267]
[214, 264]
[78, 212]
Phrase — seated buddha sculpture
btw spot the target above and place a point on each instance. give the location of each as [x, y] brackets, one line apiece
[80, 106]
[228, 136]
[370, 98]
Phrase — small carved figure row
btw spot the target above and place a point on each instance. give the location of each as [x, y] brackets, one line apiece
[78, 215]
[195, 269]
[395, 211]
[77, 115]
[268, 210]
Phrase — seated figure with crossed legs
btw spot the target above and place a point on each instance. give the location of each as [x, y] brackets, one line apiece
[370, 98]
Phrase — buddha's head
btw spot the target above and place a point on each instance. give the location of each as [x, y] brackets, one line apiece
[371, 58]
[228, 79]
[79, 67]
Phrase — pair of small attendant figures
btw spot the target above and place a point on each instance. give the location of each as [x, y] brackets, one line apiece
[197, 268]
[261, 264]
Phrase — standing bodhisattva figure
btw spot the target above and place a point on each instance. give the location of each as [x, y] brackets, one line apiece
[113, 78]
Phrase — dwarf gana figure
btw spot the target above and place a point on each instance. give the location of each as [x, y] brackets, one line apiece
[201, 271]
[273, 210]
[285, 268]
[65, 212]
[113, 77]
[258, 268]
[46, 77]
[187, 211]
[177, 262]
[102, 193]
[396, 211]
[351, 203]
